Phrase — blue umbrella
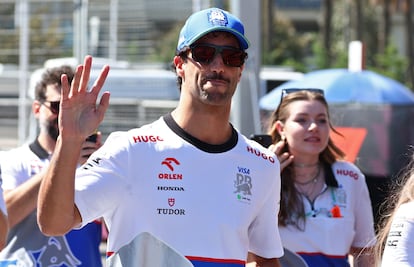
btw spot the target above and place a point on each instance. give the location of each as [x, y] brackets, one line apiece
[342, 86]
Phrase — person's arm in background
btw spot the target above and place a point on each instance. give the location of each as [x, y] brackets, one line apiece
[255, 261]
[4, 229]
[363, 257]
[79, 117]
[4, 224]
[22, 200]
[364, 240]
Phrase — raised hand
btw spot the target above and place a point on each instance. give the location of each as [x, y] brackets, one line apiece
[284, 158]
[80, 114]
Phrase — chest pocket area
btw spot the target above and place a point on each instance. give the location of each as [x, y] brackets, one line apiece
[332, 222]
[335, 235]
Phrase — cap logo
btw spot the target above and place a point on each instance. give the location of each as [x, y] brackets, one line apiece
[217, 17]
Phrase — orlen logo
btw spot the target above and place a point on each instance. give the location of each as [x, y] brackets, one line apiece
[348, 173]
[170, 163]
[147, 139]
[260, 154]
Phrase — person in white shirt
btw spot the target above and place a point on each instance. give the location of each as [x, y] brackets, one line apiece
[4, 225]
[325, 212]
[190, 178]
[22, 170]
[396, 236]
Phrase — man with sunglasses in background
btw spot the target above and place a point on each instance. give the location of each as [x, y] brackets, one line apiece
[22, 170]
[189, 179]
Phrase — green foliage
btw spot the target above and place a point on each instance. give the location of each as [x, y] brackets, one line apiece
[392, 65]
[305, 52]
[166, 45]
[8, 37]
[45, 41]
[287, 47]
[132, 51]
[45, 36]
[319, 60]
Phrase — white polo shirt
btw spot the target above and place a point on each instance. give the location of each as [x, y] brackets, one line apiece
[399, 248]
[326, 240]
[211, 203]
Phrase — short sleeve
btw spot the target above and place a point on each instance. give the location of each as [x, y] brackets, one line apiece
[399, 247]
[264, 232]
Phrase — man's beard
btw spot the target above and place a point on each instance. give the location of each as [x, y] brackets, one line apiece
[52, 129]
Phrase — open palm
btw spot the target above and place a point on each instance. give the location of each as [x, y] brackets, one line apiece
[80, 113]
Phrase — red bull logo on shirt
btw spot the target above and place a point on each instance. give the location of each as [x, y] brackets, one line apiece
[243, 185]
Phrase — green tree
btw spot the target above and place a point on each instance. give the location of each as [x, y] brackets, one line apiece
[165, 46]
[391, 64]
[287, 47]
[387, 62]
[8, 36]
[45, 35]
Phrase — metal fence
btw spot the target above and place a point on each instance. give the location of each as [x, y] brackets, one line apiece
[122, 30]
[122, 114]
[128, 30]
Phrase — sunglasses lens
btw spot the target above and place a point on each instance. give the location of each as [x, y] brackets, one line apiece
[203, 54]
[54, 107]
[287, 91]
[231, 56]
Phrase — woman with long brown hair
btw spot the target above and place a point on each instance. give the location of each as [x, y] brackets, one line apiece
[325, 210]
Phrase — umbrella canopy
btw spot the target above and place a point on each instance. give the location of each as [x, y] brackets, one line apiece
[344, 86]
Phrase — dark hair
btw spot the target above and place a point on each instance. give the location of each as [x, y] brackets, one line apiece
[52, 76]
[291, 205]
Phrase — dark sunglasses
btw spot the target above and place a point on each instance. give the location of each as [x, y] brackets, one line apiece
[53, 106]
[287, 91]
[205, 54]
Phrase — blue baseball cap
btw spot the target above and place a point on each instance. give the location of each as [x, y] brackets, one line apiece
[210, 20]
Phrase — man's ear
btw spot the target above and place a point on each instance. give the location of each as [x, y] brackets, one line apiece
[178, 62]
[241, 71]
[36, 108]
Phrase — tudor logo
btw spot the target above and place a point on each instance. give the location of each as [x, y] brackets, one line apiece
[171, 210]
[171, 202]
[169, 163]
